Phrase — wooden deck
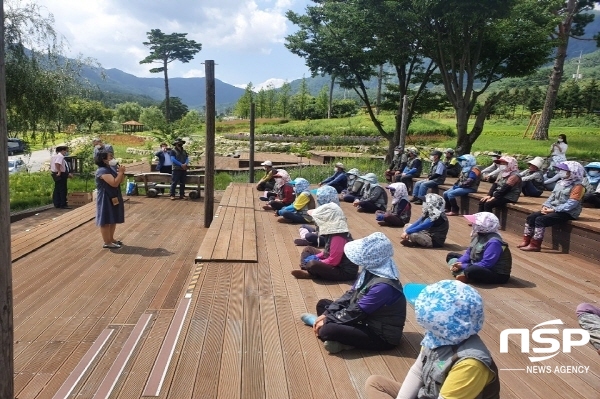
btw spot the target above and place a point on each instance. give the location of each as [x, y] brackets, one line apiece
[231, 329]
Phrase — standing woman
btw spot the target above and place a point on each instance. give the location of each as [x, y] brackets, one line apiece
[558, 150]
[109, 203]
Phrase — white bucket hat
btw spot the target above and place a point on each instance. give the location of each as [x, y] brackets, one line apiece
[537, 161]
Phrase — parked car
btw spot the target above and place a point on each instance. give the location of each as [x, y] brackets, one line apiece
[16, 146]
[16, 166]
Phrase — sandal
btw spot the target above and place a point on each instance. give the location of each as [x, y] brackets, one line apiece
[111, 246]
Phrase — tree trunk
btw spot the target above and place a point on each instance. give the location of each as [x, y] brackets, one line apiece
[465, 141]
[564, 29]
[167, 102]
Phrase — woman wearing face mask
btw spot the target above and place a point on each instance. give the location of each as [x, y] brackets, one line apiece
[488, 259]
[592, 188]
[507, 187]
[468, 182]
[109, 202]
[397, 165]
[558, 150]
[338, 180]
[431, 229]
[563, 204]
[399, 213]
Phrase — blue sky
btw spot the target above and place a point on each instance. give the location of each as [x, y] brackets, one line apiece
[245, 38]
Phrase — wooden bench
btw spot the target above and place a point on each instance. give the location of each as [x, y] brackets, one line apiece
[153, 181]
[232, 233]
[579, 237]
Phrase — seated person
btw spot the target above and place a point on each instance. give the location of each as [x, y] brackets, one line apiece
[399, 161]
[451, 162]
[589, 319]
[491, 172]
[283, 190]
[297, 212]
[533, 178]
[308, 234]
[331, 263]
[372, 313]
[506, 188]
[551, 176]
[488, 259]
[435, 177]
[354, 186]
[338, 180]
[453, 362]
[431, 229]
[468, 182]
[267, 182]
[563, 204]
[399, 214]
[592, 188]
[413, 169]
[373, 197]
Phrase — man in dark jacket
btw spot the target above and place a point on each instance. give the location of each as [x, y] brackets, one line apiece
[180, 160]
[164, 159]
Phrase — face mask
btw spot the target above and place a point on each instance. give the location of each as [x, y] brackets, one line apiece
[560, 140]
[164, 149]
[98, 146]
[593, 173]
[66, 154]
[502, 167]
[396, 152]
[335, 170]
[563, 174]
[432, 158]
[113, 162]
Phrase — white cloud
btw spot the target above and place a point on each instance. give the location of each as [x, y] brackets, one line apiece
[274, 82]
[194, 73]
[244, 37]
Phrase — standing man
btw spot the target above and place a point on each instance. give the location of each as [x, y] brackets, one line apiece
[165, 165]
[180, 161]
[100, 146]
[60, 174]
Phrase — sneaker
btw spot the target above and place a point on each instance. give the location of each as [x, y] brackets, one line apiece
[308, 319]
[414, 199]
[263, 198]
[408, 243]
[301, 242]
[301, 274]
[418, 202]
[173, 198]
[335, 346]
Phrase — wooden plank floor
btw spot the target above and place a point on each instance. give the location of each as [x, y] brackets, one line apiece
[242, 337]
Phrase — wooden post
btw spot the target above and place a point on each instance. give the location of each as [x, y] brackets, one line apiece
[6, 305]
[209, 167]
[252, 122]
[403, 125]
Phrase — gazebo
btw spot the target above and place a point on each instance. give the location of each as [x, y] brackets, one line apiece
[132, 127]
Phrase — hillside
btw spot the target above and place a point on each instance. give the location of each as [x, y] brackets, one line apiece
[192, 90]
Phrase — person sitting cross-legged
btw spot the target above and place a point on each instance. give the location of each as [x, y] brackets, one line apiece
[592, 188]
[431, 229]
[308, 234]
[588, 316]
[297, 212]
[488, 259]
[399, 214]
[339, 180]
[352, 191]
[330, 263]
[373, 197]
[453, 362]
[371, 315]
[284, 191]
